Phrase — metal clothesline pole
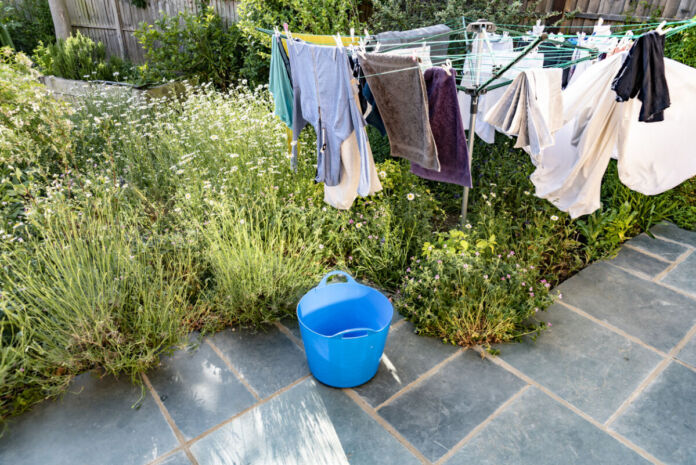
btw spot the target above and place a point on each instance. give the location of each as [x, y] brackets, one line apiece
[481, 27]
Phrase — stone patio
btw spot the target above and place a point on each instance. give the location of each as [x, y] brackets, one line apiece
[613, 381]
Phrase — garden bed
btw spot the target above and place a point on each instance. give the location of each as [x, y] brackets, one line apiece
[128, 224]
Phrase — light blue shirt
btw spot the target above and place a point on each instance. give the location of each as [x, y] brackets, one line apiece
[325, 98]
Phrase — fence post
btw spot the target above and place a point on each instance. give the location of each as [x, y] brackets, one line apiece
[118, 26]
[61, 18]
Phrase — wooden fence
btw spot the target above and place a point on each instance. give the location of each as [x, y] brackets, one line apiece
[616, 11]
[113, 21]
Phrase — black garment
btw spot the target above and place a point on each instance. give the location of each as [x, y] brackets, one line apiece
[284, 57]
[374, 119]
[643, 74]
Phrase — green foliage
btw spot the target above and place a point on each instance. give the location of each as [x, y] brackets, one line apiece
[465, 289]
[35, 137]
[79, 57]
[682, 47]
[302, 16]
[27, 22]
[86, 290]
[403, 14]
[193, 44]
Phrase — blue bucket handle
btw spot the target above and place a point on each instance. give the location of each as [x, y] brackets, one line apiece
[341, 334]
[348, 277]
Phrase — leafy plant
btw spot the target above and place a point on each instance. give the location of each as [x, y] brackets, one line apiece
[79, 57]
[403, 15]
[35, 137]
[193, 44]
[466, 290]
[302, 16]
[27, 23]
[682, 47]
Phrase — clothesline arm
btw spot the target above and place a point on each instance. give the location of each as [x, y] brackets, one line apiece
[507, 67]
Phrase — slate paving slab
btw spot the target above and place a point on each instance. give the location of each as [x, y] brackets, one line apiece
[586, 364]
[536, 430]
[663, 419]
[268, 360]
[632, 259]
[675, 233]
[688, 352]
[309, 424]
[176, 459]
[656, 315]
[94, 423]
[199, 390]
[667, 250]
[440, 411]
[406, 357]
[683, 276]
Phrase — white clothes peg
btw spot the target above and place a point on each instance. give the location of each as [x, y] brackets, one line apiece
[339, 42]
[447, 66]
[287, 31]
[660, 29]
[276, 31]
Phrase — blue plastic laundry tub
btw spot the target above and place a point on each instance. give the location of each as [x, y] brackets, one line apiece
[344, 327]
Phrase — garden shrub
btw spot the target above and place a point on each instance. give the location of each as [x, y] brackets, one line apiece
[84, 289]
[35, 138]
[79, 57]
[193, 44]
[468, 290]
[28, 23]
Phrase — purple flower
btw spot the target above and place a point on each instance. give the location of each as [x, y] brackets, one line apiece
[437, 276]
[531, 294]
[408, 270]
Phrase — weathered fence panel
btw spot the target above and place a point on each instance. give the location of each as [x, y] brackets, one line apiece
[113, 21]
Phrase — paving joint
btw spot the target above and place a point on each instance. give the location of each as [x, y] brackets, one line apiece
[674, 241]
[172, 424]
[612, 328]
[246, 410]
[386, 425]
[478, 428]
[502, 363]
[659, 283]
[165, 456]
[671, 356]
[285, 330]
[680, 259]
[646, 252]
[231, 367]
[424, 376]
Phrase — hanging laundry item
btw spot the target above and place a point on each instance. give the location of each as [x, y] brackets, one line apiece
[280, 84]
[652, 157]
[447, 128]
[492, 55]
[324, 98]
[440, 43]
[643, 74]
[656, 156]
[531, 109]
[344, 194]
[399, 90]
[368, 106]
[422, 53]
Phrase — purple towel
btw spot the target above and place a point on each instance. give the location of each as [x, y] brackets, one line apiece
[448, 130]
